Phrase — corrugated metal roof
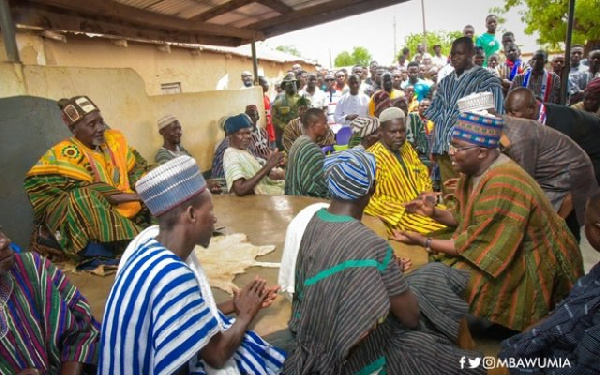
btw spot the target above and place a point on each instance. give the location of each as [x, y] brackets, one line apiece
[303, 4]
[174, 7]
[232, 22]
[141, 4]
[245, 15]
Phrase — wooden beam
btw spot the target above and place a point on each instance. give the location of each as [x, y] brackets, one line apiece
[8, 32]
[99, 9]
[50, 20]
[316, 15]
[276, 5]
[221, 9]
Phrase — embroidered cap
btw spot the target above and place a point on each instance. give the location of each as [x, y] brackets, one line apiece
[170, 184]
[350, 174]
[481, 129]
[476, 101]
[75, 109]
[166, 121]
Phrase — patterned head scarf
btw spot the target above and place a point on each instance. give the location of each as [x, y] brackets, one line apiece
[382, 101]
[594, 86]
[364, 126]
[75, 109]
[170, 184]
[350, 174]
[238, 122]
[478, 128]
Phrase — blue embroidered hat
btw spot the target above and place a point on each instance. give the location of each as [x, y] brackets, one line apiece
[170, 184]
[481, 129]
[350, 173]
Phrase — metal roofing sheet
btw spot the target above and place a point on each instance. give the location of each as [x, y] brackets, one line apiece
[233, 22]
[301, 4]
[173, 7]
[245, 15]
[140, 4]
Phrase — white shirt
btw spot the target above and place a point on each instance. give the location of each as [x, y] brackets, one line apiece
[332, 100]
[439, 61]
[446, 70]
[318, 99]
[351, 105]
[293, 237]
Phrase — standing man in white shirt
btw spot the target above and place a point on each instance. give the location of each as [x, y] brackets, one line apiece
[438, 60]
[353, 104]
[318, 98]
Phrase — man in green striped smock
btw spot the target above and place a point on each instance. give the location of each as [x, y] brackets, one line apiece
[81, 189]
[353, 310]
[304, 175]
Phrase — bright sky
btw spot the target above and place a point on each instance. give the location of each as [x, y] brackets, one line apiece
[374, 30]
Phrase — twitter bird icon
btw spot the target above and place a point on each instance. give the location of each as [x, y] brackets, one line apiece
[474, 363]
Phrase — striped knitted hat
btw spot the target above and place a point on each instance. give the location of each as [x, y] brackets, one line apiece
[350, 174]
[364, 126]
[170, 184]
[481, 129]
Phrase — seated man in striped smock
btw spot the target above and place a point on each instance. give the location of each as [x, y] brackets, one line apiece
[401, 177]
[353, 309]
[161, 317]
[304, 175]
[520, 255]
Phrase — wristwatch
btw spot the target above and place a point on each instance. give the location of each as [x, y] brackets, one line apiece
[428, 244]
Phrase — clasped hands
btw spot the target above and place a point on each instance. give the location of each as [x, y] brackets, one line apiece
[254, 297]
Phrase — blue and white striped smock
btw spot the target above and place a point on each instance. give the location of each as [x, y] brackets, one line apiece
[157, 320]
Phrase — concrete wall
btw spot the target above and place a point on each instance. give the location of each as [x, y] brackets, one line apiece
[196, 72]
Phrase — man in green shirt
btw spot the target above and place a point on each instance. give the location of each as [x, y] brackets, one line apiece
[488, 40]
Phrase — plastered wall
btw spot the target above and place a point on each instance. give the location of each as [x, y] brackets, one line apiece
[203, 71]
[121, 96]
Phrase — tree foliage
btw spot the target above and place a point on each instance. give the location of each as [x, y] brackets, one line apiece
[549, 19]
[444, 38]
[359, 56]
[292, 50]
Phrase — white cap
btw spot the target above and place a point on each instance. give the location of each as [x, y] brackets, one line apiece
[476, 101]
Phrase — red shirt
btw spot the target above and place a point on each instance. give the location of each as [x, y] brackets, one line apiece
[270, 128]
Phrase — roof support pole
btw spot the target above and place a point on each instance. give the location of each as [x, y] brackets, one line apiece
[8, 32]
[255, 63]
[564, 76]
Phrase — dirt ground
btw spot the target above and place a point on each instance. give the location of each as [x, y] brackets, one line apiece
[264, 220]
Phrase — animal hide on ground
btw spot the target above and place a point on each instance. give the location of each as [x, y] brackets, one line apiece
[228, 256]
